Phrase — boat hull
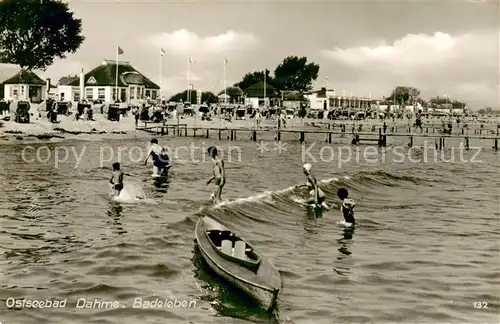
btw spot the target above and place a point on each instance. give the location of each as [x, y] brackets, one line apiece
[263, 286]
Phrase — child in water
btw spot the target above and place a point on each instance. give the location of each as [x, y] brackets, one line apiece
[116, 180]
[347, 207]
[219, 174]
[317, 195]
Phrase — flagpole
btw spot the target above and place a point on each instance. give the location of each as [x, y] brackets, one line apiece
[116, 75]
[265, 94]
[188, 79]
[225, 80]
[161, 76]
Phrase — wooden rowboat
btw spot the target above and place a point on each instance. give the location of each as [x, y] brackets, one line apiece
[236, 261]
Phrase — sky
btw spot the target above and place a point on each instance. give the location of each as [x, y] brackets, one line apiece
[443, 48]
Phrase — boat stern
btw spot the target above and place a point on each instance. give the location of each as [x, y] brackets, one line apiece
[274, 299]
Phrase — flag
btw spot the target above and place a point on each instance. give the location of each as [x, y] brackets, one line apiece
[225, 60]
[120, 51]
[162, 51]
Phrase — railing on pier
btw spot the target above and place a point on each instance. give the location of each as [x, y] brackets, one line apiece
[378, 133]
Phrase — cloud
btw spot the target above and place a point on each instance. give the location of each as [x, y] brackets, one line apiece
[183, 42]
[464, 65]
[62, 68]
[7, 71]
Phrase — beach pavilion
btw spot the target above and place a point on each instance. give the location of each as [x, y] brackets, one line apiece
[100, 84]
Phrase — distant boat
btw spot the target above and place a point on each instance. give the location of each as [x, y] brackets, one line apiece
[236, 261]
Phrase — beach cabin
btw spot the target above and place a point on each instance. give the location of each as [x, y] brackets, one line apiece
[100, 84]
[290, 113]
[25, 86]
[240, 113]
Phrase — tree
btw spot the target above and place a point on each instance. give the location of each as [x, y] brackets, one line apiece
[35, 32]
[182, 97]
[233, 92]
[296, 74]
[206, 97]
[250, 79]
[404, 94]
[446, 103]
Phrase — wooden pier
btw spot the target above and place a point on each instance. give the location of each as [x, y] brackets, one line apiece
[378, 134]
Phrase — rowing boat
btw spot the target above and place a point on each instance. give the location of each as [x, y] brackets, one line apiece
[237, 261]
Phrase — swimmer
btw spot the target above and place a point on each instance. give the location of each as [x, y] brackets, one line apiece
[219, 174]
[161, 160]
[317, 195]
[347, 207]
[116, 180]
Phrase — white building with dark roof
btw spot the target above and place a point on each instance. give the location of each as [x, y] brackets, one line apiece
[320, 99]
[100, 84]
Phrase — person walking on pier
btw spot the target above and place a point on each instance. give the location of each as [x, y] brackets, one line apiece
[418, 121]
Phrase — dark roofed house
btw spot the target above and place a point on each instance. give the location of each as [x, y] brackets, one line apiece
[24, 85]
[67, 80]
[255, 94]
[100, 84]
[292, 99]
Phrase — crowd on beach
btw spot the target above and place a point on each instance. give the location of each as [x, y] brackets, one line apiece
[230, 115]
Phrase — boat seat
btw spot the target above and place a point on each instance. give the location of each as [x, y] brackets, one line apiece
[239, 249]
[227, 247]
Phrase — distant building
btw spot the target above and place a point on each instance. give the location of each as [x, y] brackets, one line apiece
[320, 99]
[292, 100]
[100, 84]
[24, 85]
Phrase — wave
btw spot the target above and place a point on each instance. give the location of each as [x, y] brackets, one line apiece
[280, 207]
